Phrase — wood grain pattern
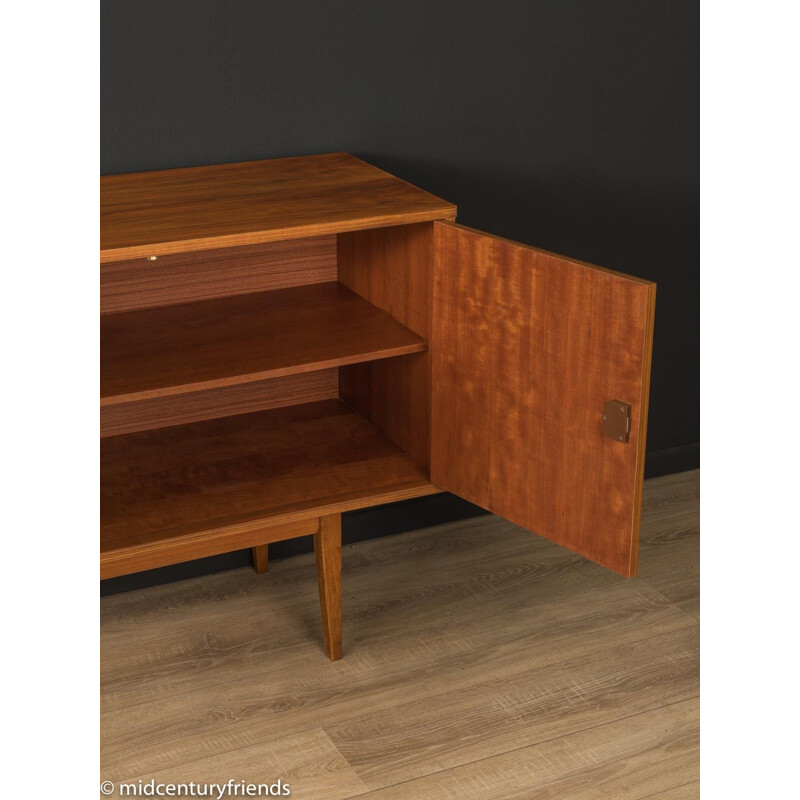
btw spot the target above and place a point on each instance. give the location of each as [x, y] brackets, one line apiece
[224, 401]
[688, 791]
[201, 208]
[393, 269]
[587, 689]
[527, 346]
[260, 555]
[309, 760]
[166, 351]
[328, 553]
[188, 277]
[189, 488]
[670, 558]
[627, 759]
[496, 716]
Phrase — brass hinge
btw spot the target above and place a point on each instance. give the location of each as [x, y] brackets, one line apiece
[617, 420]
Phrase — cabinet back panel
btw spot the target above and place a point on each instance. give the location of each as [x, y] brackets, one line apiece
[187, 277]
[226, 401]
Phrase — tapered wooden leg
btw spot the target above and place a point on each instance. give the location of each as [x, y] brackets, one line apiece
[328, 551]
[260, 555]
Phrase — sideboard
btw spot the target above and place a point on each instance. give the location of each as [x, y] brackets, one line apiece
[286, 340]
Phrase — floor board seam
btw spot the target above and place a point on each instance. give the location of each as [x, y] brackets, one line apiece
[344, 720]
[526, 747]
[511, 676]
[690, 622]
[664, 791]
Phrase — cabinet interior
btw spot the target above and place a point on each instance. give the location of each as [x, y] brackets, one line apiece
[261, 385]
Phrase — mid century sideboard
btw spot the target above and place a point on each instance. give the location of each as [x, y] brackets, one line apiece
[285, 340]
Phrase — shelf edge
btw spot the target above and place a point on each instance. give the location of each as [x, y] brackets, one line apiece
[128, 252]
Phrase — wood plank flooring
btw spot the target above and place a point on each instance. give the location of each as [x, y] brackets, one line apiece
[479, 662]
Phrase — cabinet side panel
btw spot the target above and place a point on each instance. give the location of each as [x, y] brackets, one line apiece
[392, 269]
[187, 277]
[528, 347]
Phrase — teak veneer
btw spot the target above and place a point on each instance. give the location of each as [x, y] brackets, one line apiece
[286, 340]
[165, 491]
[163, 351]
[200, 208]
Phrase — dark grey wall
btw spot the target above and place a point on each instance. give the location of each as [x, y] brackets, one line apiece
[569, 125]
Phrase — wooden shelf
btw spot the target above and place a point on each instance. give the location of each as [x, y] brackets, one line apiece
[209, 487]
[170, 350]
[226, 205]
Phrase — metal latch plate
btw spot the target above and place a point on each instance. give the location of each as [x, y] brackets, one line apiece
[617, 420]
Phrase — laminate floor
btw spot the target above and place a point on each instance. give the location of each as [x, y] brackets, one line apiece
[480, 662]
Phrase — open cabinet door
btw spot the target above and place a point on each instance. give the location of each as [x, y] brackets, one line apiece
[531, 351]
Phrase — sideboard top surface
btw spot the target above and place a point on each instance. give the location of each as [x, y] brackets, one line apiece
[198, 208]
